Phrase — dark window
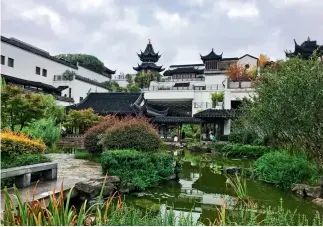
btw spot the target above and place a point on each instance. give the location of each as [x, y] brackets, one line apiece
[10, 62]
[45, 72]
[247, 66]
[81, 98]
[3, 60]
[37, 70]
[70, 92]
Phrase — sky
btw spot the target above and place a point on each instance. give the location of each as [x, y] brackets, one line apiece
[115, 30]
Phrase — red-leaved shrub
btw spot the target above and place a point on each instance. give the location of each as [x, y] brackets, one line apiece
[131, 133]
[91, 138]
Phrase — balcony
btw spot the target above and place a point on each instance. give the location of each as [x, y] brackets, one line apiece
[239, 84]
[171, 79]
[214, 87]
[203, 105]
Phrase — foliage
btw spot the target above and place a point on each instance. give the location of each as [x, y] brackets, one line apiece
[52, 110]
[112, 86]
[81, 120]
[243, 134]
[239, 186]
[129, 79]
[69, 75]
[20, 109]
[22, 160]
[263, 59]
[86, 60]
[288, 106]
[13, 144]
[285, 169]
[143, 79]
[44, 129]
[133, 88]
[59, 212]
[91, 137]
[217, 97]
[131, 133]
[143, 170]
[237, 72]
[233, 150]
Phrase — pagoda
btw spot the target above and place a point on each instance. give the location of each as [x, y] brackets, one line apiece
[211, 60]
[148, 59]
[306, 49]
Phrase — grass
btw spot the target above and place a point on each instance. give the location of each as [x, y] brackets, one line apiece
[239, 186]
[85, 155]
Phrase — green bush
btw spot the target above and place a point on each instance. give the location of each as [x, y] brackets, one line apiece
[285, 169]
[243, 150]
[132, 133]
[91, 137]
[140, 169]
[44, 129]
[22, 160]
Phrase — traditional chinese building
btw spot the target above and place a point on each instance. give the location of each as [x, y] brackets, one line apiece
[306, 49]
[148, 59]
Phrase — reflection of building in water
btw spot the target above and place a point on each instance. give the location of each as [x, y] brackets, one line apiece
[178, 214]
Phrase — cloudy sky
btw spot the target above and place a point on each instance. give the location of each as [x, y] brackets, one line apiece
[114, 30]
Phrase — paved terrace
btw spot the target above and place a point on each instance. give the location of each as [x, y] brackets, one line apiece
[70, 171]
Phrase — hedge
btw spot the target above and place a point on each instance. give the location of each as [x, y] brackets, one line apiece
[141, 169]
[91, 137]
[132, 133]
[243, 150]
[18, 143]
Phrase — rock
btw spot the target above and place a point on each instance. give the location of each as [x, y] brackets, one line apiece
[318, 201]
[307, 191]
[127, 188]
[231, 170]
[110, 179]
[172, 177]
[92, 188]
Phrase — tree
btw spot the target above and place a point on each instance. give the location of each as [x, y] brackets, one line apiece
[69, 75]
[18, 109]
[288, 106]
[52, 110]
[80, 120]
[112, 86]
[263, 59]
[133, 88]
[86, 60]
[238, 72]
[129, 79]
[143, 79]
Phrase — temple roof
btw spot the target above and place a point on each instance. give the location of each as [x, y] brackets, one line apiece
[149, 66]
[149, 54]
[183, 70]
[211, 56]
[172, 119]
[217, 113]
[306, 49]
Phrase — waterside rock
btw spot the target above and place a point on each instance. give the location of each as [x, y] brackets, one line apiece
[232, 170]
[318, 201]
[307, 191]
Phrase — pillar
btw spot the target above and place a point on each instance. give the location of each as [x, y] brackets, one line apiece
[23, 181]
[50, 174]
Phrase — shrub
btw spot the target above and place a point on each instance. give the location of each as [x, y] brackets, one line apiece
[22, 160]
[44, 129]
[18, 143]
[243, 150]
[91, 137]
[285, 169]
[140, 169]
[131, 133]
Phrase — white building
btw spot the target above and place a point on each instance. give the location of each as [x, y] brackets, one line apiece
[187, 89]
[36, 68]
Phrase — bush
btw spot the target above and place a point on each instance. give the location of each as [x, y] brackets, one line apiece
[131, 133]
[44, 129]
[243, 150]
[285, 169]
[23, 160]
[91, 137]
[13, 144]
[140, 169]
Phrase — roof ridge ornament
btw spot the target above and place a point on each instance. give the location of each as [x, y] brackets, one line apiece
[308, 38]
[149, 42]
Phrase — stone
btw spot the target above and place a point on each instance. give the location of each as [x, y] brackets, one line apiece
[318, 201]
[50, 174]
[231, 170]
[91, 188]
[23, 181]
[307, 191]
[127, 188]
[110, 179]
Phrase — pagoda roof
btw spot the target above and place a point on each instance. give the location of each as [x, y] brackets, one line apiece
[306, 49]
[149, 54]
[183, 70]
[211, 56]
[217, 113]
[149, 66]
[176, 120]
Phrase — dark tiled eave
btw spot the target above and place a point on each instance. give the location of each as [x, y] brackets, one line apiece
[215, 113]
[175, 120]
[35, 51]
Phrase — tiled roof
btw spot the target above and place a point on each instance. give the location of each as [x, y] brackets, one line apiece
[211, 56]
[306, 49]
[217, 113]
[171, 119]
[150, 66]
[109, 103]
[36, 51]
[183, 70]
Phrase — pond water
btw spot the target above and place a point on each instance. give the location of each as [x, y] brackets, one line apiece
[201, 190]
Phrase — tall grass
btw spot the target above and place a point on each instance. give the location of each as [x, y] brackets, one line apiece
[239, 186]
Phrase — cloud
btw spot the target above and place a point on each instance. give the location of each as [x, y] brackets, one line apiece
[114, 30]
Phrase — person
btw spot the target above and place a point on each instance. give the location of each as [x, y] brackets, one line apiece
[211, 136]
[176, 138]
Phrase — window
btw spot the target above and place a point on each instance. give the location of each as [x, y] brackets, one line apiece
[81, 99]
[3, 60]
[70, 92]
[37, 70]
[10, 62]
[45, 72]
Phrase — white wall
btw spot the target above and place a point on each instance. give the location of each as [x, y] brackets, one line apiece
[248, 60]
[91, 75]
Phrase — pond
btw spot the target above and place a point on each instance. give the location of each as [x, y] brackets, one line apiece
[201, 190]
